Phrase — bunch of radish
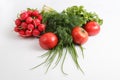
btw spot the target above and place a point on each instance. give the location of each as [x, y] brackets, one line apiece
[28, 23]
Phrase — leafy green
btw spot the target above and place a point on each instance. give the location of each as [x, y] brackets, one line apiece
[81, 15]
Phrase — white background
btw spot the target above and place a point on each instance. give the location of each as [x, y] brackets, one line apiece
[102, 53]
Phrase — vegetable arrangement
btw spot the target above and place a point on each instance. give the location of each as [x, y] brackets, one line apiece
[59, 32]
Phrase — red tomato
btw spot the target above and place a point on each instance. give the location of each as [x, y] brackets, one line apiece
[80, 36]
[92, 27]
[48, 40]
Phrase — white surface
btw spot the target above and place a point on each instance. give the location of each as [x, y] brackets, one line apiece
[102, 54]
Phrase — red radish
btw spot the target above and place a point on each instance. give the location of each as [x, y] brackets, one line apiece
[41, 27]
[30, 26]
[29, 20]
[24, 25]
[29, 12]
[18, 22]
[16, 29]
[23, 15]
[36, 33]
[36, 22]
[21, 33]
[39, 17]
[28, 33]
[35, 13]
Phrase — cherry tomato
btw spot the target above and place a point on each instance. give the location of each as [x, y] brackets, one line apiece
[80, 36]
[48, 40]
[93, 28]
